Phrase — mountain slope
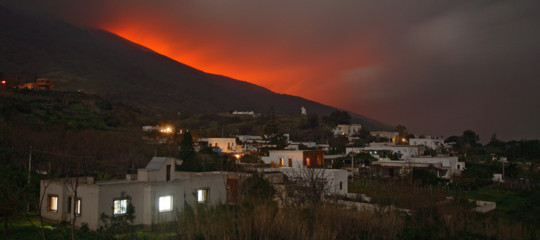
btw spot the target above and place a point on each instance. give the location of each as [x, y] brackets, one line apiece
[102, 63]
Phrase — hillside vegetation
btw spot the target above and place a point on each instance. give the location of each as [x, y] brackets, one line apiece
[63, 126]
[121, 71]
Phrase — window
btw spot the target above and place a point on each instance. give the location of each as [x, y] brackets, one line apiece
[120, 206]
[202, 195]
[290, 162]
[165, 204]
[280, 162]
[340, 185]
[69, 205]
[168, 174]
[53, 203]
[78, 207]
[458, 166]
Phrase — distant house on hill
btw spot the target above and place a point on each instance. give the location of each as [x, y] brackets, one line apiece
[295, 159]
[347, 129]
[391, 136]
[443, 167]
[40, 84]
[250, 113]
[225, 145]
[433, 143]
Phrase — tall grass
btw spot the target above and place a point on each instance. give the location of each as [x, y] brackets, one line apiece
[265, 220]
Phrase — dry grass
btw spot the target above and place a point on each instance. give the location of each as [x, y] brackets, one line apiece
[267, 221]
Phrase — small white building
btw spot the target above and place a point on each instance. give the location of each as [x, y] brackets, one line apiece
[336, 179]
[455, 167]
[403, 151]
[227, 145]
[157, 193]
[295, 158]
[433, 143]
[347, 129]
[443, 167]
[249, 113]
[391, 136]
[250, 138]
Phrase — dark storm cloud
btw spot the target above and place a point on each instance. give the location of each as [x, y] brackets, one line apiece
[437, 67]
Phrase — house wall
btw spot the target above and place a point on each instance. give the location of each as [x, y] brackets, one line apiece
[275, 156]
[98, 198]
[313, 159]
[157, 175]
[427, 142]
[452, 162]
[54, 188]
[225, 144]
[347, 130]
[336, 179]
[406, 152]
[383, 134]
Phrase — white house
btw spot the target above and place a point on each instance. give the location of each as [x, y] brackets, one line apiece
[403, 151]
[250, 138]
[251, 113]
[455, 167]
[227, 145]
[392, 136]
[347, 129]
[433, 143]
[443, 167]
[336, 179]
[295, 158]
[157, 193]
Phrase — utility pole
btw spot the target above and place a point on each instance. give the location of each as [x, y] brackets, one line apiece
[502, 160]
[29, 173]
[29, 164]
[352, 159]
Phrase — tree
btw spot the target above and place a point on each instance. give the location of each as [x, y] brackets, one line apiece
[339, 117]
[188, 155]
[186, 146]
[13, 192]
[311, 185]
[273, 132]
[256, 187]
[471, 138]
[311, 122]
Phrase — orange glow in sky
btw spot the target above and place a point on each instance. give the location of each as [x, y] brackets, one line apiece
[276, 66]
[205, 61]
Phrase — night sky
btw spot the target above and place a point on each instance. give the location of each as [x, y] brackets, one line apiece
[437, 67]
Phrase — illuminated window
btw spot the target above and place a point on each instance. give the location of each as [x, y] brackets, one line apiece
[307, 162]
[120, 206]
[53, 203]
[202, 195]
[165, 204]
[78, 207]
[280, 161]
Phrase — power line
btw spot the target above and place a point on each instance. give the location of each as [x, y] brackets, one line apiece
[61, 154]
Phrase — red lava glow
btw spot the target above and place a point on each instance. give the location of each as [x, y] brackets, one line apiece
[282, 69]
[199, 59]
